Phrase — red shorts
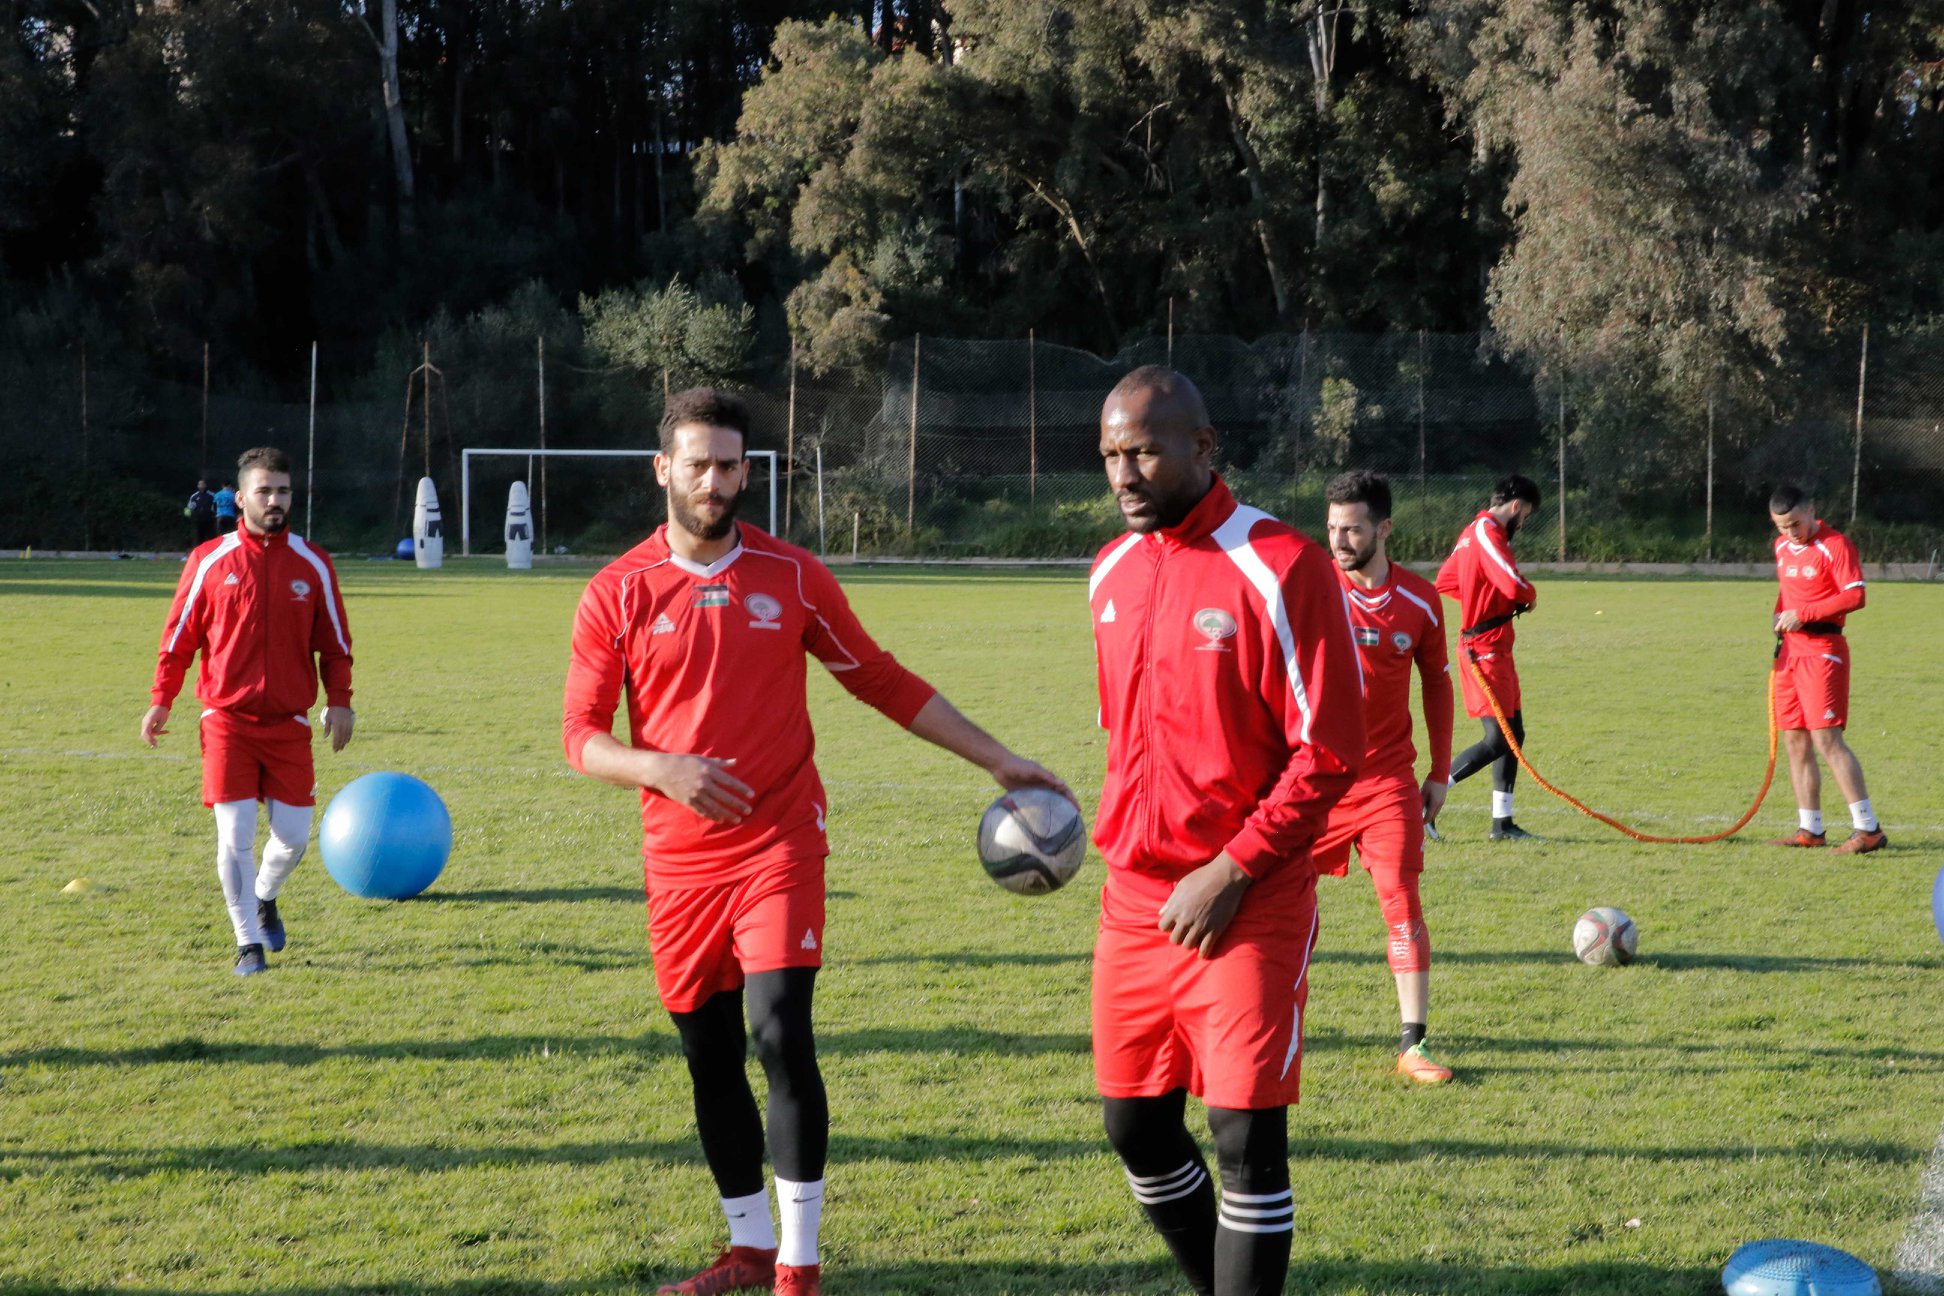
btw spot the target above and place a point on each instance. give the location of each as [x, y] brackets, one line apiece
[705, 939]
[257, 760]
[1228, 1029]
[1812, 682]
[1495, 664]
[1383, 818]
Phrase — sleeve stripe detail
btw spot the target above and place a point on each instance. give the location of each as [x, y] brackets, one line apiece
[1428, 609]
[1233, 537]
[326, 585]
[1114, 555]
[1491, 551]
[229, 545]
[1854, 585]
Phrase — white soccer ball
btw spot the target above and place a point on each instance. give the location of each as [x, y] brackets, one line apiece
[1605, 936]
[1032, 841]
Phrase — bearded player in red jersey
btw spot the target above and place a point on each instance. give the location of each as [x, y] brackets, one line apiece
[262, 606]
[1394, 618]
[1231, 699]
[1821, 583]
[704, 627]
[1482, 576]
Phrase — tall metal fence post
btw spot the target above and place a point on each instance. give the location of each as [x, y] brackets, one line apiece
[1420, 412]
[789, 444]
[204, 460]
[1032, 416]
[542, 361]
[822, 551]
[1708, 552]
[911, 470]
[310, 458]
[1856, 468]
[87, 496]
[1562, 468]
[1302, 403]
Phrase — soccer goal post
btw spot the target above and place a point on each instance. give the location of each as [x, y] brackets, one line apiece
[767, 458]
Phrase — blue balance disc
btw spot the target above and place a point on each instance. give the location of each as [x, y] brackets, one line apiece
[385, 836]
[1787, 1267]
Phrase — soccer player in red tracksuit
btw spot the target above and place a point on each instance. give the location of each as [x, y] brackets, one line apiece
[1484, 579]
[1394, 618]
[263, 607]
[1229, 690]
[705, 627]
[1821, 583]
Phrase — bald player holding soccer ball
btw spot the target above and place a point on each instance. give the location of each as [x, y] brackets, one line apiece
[705, 628]
[1230, 694]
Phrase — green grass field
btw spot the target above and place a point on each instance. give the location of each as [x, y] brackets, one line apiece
[474, 1092]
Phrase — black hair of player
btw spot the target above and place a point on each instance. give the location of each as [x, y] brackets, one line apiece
[709, 406]
[1516, 487]
[1361, 486]
[1787, 499]
[267, 458]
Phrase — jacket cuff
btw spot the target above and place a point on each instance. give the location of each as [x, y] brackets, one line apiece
[337, 697]
[1252, 853]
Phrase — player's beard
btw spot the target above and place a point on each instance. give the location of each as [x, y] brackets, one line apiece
[693, 523]
[1358, 558]
[1511, 525]
[269, 522]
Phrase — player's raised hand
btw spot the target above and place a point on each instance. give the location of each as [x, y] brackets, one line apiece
[338, 722]
[1203, 904]
[703, 784]
[1015, 772]
[153, 721]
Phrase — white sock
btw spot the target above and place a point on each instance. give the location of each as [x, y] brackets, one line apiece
[1811, 820]
[289, 834]
[749, 1221]
[1862, 818]
[801, 1205]
[1501, 805]
[235, 835]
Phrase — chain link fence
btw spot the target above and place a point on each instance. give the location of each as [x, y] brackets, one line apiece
[989, 449]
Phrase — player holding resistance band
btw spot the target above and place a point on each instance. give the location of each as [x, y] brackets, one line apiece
[1394, 619]
[1482, 576]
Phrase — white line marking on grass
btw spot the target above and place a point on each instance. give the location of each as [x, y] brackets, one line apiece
[1920, 1256]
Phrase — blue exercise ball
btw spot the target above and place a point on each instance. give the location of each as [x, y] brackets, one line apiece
[407, 549]
[385, 836]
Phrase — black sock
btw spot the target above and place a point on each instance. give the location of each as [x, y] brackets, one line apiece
[1413, 1034]
[1169, 1179]
[1258, 1212]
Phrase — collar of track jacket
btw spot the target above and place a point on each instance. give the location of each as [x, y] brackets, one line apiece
[1211, 512]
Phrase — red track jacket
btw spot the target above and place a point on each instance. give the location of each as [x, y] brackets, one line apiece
[1230, 691]
[1483, 577]
[267, 615]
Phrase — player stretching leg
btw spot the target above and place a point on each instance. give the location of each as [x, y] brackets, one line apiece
[704, 627]
[1483, 577]
[262, 605]
[1394, 618]
[1821, 583]
[1229, 691]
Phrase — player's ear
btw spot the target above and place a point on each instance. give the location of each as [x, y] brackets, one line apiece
[661, 469]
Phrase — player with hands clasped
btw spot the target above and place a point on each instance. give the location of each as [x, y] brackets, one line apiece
[1820, 583]
[706, 628]
[1230, 694]
[262, 605]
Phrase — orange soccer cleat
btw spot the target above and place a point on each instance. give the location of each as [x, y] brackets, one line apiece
[1421, 1066]
[799, 1280]
[736, 1269]
[1861, 843]
[1801, 837]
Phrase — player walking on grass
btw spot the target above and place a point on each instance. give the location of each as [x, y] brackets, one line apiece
[1394, 619]
[1482, 576]
[1230, 694]
[704, 627]
[262, 606]
[1821, 583]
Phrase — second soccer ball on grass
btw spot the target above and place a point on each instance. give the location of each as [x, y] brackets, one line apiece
[1605, 936]
[1032, 841]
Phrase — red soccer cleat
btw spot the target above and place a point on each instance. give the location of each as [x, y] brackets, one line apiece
[1861, 843]
[736, 1269]
[798, 1280]
[1801, 837]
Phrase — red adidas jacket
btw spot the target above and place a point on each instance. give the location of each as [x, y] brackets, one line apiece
[266, 613]
[1483, 577]
[1230, 691]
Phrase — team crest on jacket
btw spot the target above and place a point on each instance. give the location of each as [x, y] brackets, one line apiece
[1401, 642]
[300, 589]
[1215, 626]
[765, 609]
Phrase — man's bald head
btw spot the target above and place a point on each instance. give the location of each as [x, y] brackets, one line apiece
[1157, 447]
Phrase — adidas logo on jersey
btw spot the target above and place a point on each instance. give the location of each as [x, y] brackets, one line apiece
[662, 625]
[1829, 715]
[809, 940]
[1108, 615]
[231, 579]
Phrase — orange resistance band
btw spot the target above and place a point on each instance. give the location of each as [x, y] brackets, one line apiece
[1505, 727]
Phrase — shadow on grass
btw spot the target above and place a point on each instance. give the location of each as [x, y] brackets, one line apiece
[970, 1278]
[1669, 962]
[535, 895]
[971, 958]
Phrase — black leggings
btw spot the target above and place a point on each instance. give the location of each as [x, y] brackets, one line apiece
[1494, 751]
[715, 1045]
